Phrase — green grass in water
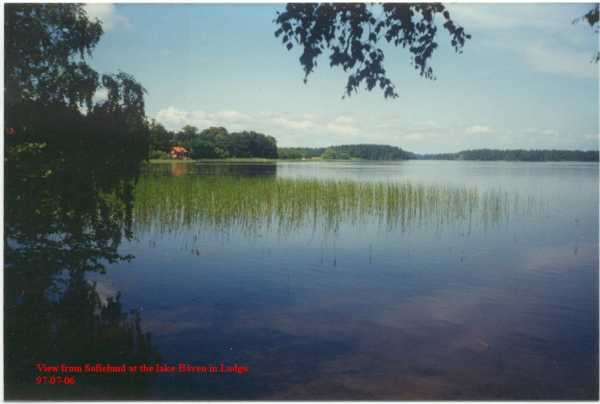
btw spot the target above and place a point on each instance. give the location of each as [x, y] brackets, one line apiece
[261, 203]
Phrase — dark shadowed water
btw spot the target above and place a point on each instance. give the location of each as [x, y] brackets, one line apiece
[356, 280]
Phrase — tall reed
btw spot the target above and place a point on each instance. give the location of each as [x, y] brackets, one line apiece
[262, 203]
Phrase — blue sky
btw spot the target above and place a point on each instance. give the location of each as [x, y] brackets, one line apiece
[524, 80]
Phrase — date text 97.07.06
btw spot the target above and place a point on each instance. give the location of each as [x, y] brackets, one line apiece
[55, 380]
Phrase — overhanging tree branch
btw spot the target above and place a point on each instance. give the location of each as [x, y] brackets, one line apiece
[351, 33]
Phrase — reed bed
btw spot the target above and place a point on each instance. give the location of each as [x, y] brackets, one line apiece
[261, 203]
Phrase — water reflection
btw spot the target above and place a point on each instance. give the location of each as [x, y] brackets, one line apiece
[369, 288]
[65, 218]
[208, 168]
[333, 288]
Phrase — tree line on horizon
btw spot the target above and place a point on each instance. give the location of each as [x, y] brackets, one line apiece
[218, 143]
[385, 152]
[346, 152]
[214, 142]
[516, 155]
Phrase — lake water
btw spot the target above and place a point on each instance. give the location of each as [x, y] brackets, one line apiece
[366, 280]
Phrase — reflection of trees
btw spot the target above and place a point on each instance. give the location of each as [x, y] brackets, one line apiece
[74, 328]
[70, 167]
[66, 212]
[208, 168]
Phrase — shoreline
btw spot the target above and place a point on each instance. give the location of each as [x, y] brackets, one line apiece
[266, 160]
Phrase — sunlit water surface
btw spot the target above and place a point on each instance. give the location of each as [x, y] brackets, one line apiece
[356, 280]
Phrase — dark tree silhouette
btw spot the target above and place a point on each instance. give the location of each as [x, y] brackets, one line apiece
[47, 76]
[352, 32]
[66, 214]
[160, 138]
[45, 50]
[213, 142]
[70, 167]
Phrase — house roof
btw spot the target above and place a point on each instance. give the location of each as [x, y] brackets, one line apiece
[179, 149]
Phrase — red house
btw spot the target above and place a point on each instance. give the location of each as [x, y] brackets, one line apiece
[179, 153]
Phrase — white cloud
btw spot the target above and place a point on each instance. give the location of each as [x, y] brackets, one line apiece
[413, 136]
[509, 16]
[469, 15]
[479, 130]
[560, 61]
[232, 116]
[174, 119]
[342, 125]
[294, 124]
[544, 132]
[320, 130]
[541, 36]
[312, 130]
[397, 124]
[429, 124]
[107, 14]
[549, 132]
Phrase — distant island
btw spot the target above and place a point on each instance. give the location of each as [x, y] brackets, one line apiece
[385, 152]
[217, 143]
[346, 152]
[516, 155]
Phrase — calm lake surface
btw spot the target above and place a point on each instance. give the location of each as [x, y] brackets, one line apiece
[367, 280]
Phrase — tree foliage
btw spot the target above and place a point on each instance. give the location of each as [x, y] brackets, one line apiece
[71, 166]
[352, 32]
[332, 154]
[297, 153]
[49, 90]
[160, 138]
[214, 142]
[373, 152]
[45, 50]
[357, 151]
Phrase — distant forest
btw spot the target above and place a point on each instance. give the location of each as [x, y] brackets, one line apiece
[211, 143]
[217, 142]
[345, 152]
[516, 155]
[381, 152]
